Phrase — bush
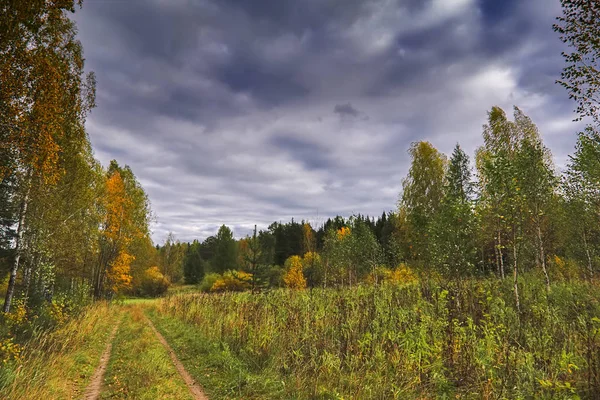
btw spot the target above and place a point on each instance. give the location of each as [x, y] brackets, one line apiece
[401, 275]
[565, 269]
[233, 281]
[153, 283]
[294, 278]
[208, 281]
[274, 276]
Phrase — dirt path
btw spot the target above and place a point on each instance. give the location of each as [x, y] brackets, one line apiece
[194, 387]
[92, 392]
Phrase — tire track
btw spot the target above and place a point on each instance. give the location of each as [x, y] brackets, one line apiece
[92, 392]
[195, 388]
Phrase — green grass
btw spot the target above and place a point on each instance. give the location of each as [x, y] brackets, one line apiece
[182, 289]
[140, 367]
[138, 301]
[429, 340]
[221, 374]
[59, 364]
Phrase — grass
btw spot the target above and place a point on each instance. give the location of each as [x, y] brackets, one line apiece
[138, 301]
[140, 367]
[59, 364]
[221, 374]
[425, 340]
[429, 340]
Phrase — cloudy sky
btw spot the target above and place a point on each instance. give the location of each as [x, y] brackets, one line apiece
[244, 112]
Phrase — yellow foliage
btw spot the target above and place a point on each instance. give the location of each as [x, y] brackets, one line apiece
[564, 269]
[57, 311]
[343, 233]
[119, 272]
[9, 351]
[234, 281]
[308, 237]
[311, 258]
[401, 275]
[153, 282]
[117, 204]
[294, 278]
[18, 316]
[153, 273]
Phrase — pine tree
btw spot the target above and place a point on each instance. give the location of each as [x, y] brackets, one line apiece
[453, 230]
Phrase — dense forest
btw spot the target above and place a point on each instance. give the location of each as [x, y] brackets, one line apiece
[499, 249]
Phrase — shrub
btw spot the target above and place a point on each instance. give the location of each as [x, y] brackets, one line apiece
[233, 281]
[401, 275]
[208, 281]
[312, 265]
[294, 278]
[274, 276]
[564, 269]
[153, 283]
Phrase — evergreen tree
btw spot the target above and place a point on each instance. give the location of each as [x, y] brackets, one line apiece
[193, 264]
[225, 251]
[453, 230]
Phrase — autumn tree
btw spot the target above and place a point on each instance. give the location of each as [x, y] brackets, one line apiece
[536, 187]
[495, 172]
[44, 99]
[294, 278]
[172, 254]
[422, 193]
[126, 218]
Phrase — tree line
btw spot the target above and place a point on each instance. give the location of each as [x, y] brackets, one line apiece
[70, 225]
[506, 211]
[67, 224]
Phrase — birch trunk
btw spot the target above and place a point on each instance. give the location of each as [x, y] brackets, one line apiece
[18, 250]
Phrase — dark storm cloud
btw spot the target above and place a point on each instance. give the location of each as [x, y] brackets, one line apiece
[224, 108]
[346, 109]
[311, 155]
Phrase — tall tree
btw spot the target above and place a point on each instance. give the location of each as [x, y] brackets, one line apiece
[422, 194]
[453, 230]
[537, 182]
[579, 28]
[172, 255]
[495, 173]
[126, 218]
[42, 92]
[225, 250]
[193, 264]
[582, 189]
[251, 258]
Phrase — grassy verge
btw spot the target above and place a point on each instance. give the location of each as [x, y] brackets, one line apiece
[221, 374]
[140, 367]
[59, 365]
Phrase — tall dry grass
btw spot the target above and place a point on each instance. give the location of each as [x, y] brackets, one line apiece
[59, 364]
[427, 340]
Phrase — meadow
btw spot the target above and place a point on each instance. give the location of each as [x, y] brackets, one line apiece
[423, 340]
[418, 340]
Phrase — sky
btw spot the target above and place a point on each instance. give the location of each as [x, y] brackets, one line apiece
[245, 112]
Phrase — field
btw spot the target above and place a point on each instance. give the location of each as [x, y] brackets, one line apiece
[434, 340]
